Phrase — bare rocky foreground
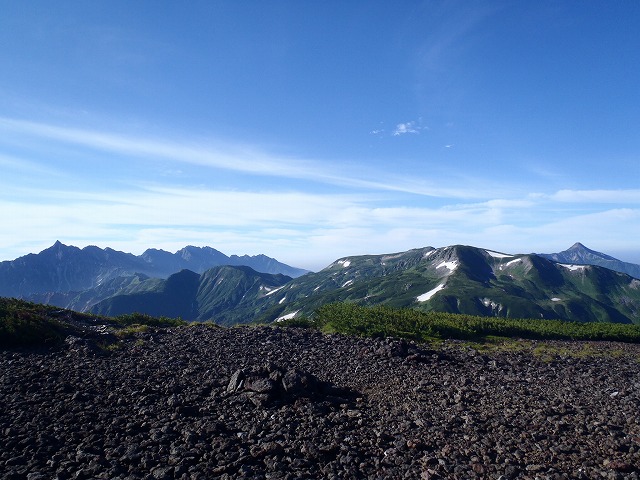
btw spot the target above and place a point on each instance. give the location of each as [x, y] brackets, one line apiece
[202, 402]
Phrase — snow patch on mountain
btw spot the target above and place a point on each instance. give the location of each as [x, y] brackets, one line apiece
[288, 316]
[345, 263]
[271, 292]
[495, 306]
[347, 283]
[572, 267]
[498, 254]
[426, 296]
[509, 263]
[448, 265]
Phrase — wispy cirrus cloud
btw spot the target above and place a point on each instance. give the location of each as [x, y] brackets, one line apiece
[625, 196]
[241, 158]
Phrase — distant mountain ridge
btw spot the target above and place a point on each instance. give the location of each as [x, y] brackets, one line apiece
[580, 255]
[228, 294]
[60, 269]
[455, 279]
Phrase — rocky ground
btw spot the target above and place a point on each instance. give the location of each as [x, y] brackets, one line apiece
[269, 403]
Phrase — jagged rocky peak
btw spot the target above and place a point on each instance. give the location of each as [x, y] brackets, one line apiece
[58, 245]
[59, 249]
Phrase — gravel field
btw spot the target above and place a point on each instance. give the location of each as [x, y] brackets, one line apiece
[271, 403]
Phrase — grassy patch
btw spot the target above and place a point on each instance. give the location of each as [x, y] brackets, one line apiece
[131, 330]
[28, 324]
[144, 319]
[381, 321]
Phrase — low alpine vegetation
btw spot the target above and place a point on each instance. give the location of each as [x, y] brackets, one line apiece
[25, 323]
[147, 320]
[382, 321]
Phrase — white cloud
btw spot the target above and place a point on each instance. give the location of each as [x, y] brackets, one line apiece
[597, 196]
[408, 127]
[303, 229]
[382, 211]
[243, 159]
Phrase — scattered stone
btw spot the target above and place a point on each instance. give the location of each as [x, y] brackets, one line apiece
[198, 403]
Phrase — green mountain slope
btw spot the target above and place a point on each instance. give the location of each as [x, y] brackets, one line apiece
[462, 279]
[456, 279]
[83, 300]
[224, 294]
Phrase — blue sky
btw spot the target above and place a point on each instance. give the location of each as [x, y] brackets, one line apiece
[309, 131]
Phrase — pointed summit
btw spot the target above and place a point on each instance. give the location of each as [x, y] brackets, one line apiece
[59, 249]
[578, 254]
[582, 254]
[55, 247]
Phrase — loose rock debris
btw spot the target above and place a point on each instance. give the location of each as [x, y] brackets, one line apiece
[273, 403]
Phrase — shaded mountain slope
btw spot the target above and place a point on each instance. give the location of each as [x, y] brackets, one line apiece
[226, 294]
[83, 300]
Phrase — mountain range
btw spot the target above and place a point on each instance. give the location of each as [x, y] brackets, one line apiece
[456, 279]
[469, 280]
[69, 271]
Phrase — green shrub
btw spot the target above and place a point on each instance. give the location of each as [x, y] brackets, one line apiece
[27, 324]
[382, 321]
[24, 324]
